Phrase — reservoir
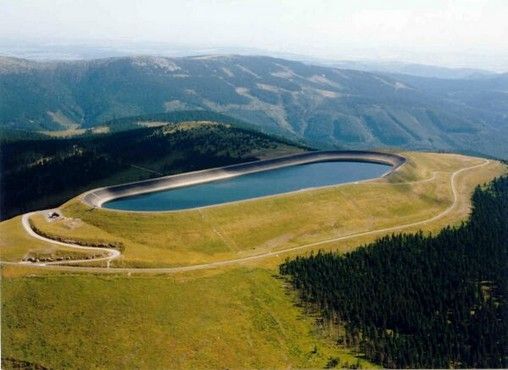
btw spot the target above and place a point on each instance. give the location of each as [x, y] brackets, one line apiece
[253, 185]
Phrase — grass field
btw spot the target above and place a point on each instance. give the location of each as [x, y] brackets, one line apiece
[240, 316]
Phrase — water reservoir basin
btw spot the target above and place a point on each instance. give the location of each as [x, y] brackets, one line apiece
[250, 186]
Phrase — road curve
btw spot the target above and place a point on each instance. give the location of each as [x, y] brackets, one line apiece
[234, 261]
[112, 253]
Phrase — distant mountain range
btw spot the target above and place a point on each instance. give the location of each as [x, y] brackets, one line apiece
[414, 69]
[325, 106]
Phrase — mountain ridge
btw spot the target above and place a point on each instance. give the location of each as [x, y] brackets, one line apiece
[325, 106]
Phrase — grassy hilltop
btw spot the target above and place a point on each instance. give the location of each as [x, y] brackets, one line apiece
[418, 191]
[236, 316]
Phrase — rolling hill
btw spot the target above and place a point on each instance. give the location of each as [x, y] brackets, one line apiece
[327, 107]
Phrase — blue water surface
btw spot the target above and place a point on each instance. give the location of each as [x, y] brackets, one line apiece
[253, 185]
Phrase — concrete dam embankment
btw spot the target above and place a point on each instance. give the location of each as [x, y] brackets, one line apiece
[97, 197]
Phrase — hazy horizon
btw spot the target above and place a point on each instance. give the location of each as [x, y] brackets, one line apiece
[451, 33]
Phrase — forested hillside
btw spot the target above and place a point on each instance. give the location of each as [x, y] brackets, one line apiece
[416, 301]
[43, 173]
[328, 107]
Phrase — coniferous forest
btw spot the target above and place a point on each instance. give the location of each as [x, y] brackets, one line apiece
[45, 172]
[417, 301]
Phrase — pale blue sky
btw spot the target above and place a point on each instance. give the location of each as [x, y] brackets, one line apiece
[452, 32]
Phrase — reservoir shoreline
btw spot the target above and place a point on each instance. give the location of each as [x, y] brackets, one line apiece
[97, 197]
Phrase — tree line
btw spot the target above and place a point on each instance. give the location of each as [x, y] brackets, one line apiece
[416, 300]
[40, 173]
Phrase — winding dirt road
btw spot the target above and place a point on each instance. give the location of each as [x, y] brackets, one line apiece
[113, 253]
